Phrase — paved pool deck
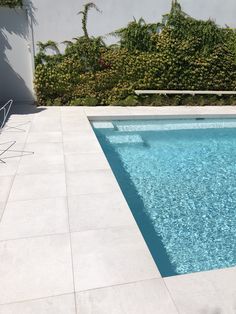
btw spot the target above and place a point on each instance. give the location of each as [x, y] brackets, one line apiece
[68, 241]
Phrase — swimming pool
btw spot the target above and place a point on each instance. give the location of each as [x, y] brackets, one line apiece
[179, 179]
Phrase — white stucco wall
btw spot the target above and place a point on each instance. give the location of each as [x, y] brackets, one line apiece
[15, 57]
[57, 20]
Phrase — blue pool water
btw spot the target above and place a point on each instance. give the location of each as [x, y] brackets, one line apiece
[179, 179]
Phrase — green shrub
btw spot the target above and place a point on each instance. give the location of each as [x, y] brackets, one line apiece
[185, 54]
[187, 100]
[11, 3]
[87, 51]
[129, 101]
[137, 35]
[86, 101]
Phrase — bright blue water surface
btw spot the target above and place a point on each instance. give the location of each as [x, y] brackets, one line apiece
[179, 179]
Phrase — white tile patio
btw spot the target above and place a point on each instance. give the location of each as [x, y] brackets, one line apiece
[44, 137]
[7, 136]
[5, 184]
[102, 258]
[85, 162]
[10, 168]
[47, 157]
[47, 124]
[205, 292]
[68, 241]
[81, 142]
[98, 212]
[45, 148]
[145, 297]
[35, 268]
[2, 207]
[36, 186]
[34, 218]
[41, 163]
[90, 182]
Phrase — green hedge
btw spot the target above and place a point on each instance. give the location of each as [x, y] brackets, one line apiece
[11, 3]
[184, 54]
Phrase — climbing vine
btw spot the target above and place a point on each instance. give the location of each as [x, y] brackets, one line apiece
[84, 13]
[11, 3]
[179, 53]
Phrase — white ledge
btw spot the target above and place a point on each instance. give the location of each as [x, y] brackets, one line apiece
[184, 92]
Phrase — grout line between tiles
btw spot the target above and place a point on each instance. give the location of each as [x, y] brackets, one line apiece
[170, 295]
[69, 232]
[36, 299]
[35, 237]
[69, 195]
[68, 216]
[120, 285]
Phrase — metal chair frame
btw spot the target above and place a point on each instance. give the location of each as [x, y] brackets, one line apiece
[6, 109]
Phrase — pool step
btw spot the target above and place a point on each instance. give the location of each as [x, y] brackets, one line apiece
[103, 125]
[174, 126]
[125, 139]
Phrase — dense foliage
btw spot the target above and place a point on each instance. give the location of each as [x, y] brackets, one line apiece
[179, 53]
[11, 3]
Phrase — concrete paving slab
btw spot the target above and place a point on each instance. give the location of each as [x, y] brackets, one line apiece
[91, 182]
[45, 148]
[2, 207]
[36, 186]
[5, 184]
[35, 268]
[34, 218]
[10, 167]
[109, 251]
[98, 212]
[109, 257]
[86, 162]
[44, 137]
[41, 163]
[63, 304]
[81, 143]
[203, 292]
[145, 297]
[46, 124]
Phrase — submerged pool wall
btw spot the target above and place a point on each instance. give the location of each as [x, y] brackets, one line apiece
[188, 151]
